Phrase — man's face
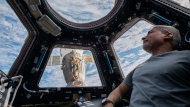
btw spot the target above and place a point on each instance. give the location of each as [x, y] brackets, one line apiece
[153, 40]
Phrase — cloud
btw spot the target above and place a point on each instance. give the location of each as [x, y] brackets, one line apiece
[12, 35]
[52, 77]
[82, 11]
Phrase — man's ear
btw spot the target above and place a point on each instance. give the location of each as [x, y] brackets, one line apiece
[168, 36]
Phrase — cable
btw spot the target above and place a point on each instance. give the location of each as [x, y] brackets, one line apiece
[186, 37]
[28, 89]
[31, 91]
[16, 89]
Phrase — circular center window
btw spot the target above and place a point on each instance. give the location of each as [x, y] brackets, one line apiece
[82, 11]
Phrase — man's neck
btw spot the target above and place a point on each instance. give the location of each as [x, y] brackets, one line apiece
[161, 50]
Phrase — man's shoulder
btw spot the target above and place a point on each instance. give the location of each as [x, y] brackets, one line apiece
[181, 52]
[184, 51]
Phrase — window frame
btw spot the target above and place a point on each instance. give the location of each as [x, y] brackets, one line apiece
[101, 78]
[174, 6]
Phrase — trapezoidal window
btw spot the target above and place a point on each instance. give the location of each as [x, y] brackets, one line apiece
[82, 11]
[70, 68]
[12, 36]
[128, 47]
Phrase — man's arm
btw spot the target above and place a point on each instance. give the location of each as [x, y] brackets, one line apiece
[117, 94]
